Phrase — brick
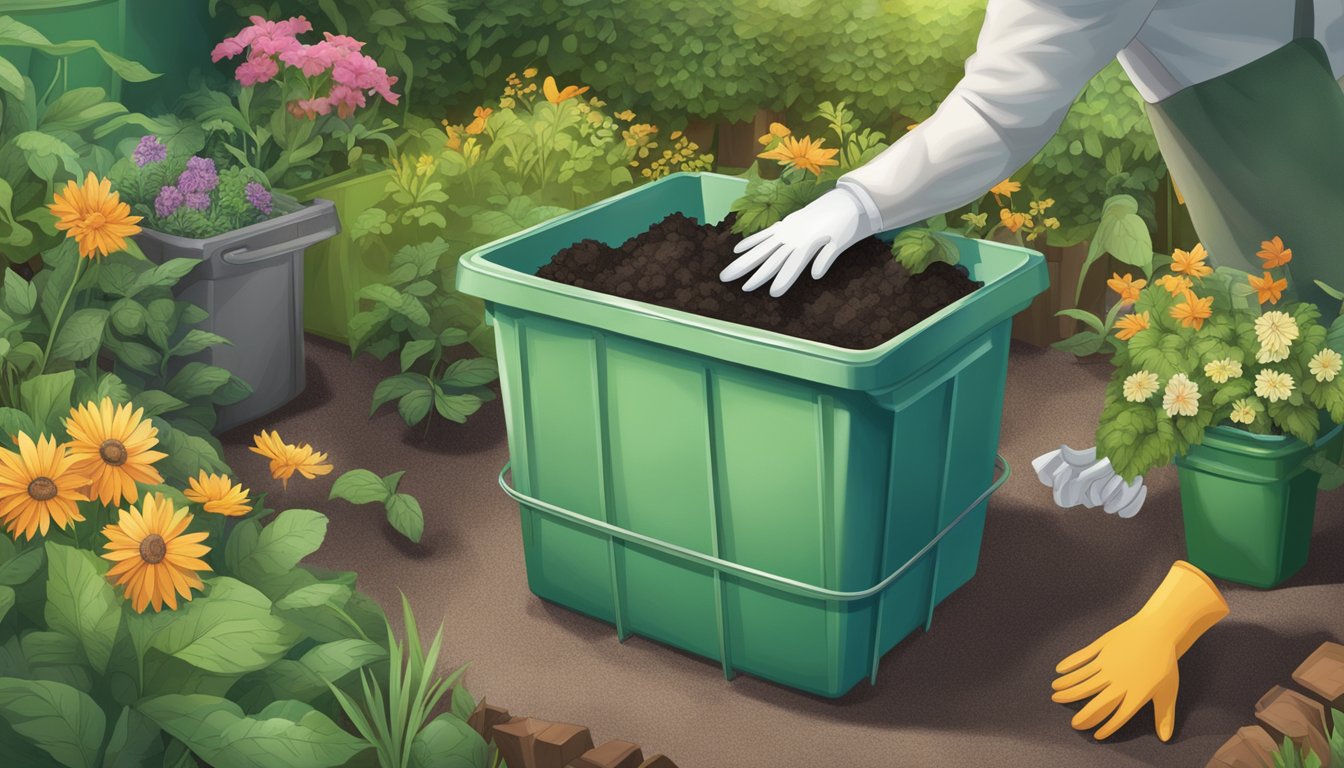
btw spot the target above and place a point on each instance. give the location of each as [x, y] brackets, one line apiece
[1288, 713]
[1251, 747]
[560, 744]
[613, 754]
[658, 761]
[1323, 673]
[515, 740]
[484, 719]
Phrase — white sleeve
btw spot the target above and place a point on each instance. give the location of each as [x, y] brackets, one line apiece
[1032, 59]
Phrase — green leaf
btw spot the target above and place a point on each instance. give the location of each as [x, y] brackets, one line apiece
[81, 335]
[1121, 233]
[77, 109]
[359, 486]
[220, 733]
[414, 350]
[1081, 344]
[6, 601]
[456, 407]
[451, 337]
[133, 355]
[16, 33]
[11, 80]
[403, 512]
[164, 275]
[135, 742]
[396, 387]
[1085, 317]
[62, 721]
[403, 304]
[320, 610]
[471, 372]
[47, 399]
[197, 340]
[20, 295]
[156, 402]
[414, 406]
[448, 742]
[197, 379]
[293, 535]
[20, 568]
[462, 702]
[230, 630]
[13, 421]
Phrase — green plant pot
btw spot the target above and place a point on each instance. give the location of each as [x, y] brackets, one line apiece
[1249, 502]
[335, 270]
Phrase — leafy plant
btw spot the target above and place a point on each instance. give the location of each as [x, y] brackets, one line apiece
[1288, 755]
[415, 314]
[396, 719]
[360, 486]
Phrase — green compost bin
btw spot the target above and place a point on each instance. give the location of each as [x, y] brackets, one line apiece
[789, 508]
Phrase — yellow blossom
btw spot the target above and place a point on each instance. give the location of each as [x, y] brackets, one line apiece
[555, 95]
[802, 153]
[1005, 187]
[1181, 397]
[1243, 412]
[1191, 262]
[1221, 371]
[1326, 364]
[1140, 386]
[1273, 385]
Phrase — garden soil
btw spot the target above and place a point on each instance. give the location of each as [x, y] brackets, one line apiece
[972, 690]
[865, 299]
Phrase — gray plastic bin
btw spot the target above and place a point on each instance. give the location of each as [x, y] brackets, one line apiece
[251, 283]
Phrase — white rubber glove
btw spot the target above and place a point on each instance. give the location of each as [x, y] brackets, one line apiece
[1078, 478]
[815, 234]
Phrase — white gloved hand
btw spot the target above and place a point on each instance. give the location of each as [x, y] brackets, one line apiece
[815, 234]
[1078, 478]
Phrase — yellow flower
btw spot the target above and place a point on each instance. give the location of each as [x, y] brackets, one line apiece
[1005, 187]
[482, 114]
[530, 72]
[1174, 284]
[1191, 262]
[912, 126]
[287, 459]
[454, 133]
[556, 95]
[1273, 385]
[1140, 386]
[1273, 253]
[1181, 397]
[153, 559]
[1039, 207]
[802, 153]
[1193, 311]
[1051, 223]
[1276, 329]
[112, 447]
[1220, 371]
[218, 494]
[424, 165]
[94, 216]
[1271, 352]
[777, 131]
[977, 220]
[1127, 287]
[1326, 364]
[1014, 221]
[1243, 412]
[1267, 288]
[1131, 324]
[625, 115]
[39, 486]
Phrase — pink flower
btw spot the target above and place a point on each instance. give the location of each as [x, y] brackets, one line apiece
[309, 108]
[345, 99]
[344, 41]
[257, 69]
[314, 59]
[228, 48]
[359, 72]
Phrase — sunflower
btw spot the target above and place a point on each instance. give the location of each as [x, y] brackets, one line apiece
[287, 459]
[39, 486]
[152, 556]
[1191, 262]
[555, 95]
[112, 445]
[1268, 289]
[94, 216]
[802, 153]
[218, 494]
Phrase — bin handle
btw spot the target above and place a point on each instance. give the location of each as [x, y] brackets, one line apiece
[245, 255]
[765, 578]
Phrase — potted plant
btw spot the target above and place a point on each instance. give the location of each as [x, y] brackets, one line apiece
[245, 244]
[1242, 388]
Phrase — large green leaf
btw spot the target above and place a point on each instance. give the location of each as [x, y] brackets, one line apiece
[1121, 233]
[81, 602]
[278, 547]
[308, 677]
[197, 379]
[414, 350]
[448, 741]
[47, 399]
[163, 275]
[403, 512]
[359, 486]
[197, 340]
[77, 109]
[471, 372]
[16, 33]
[20, 568]
[44, 153]
[283, 734]
[81, 335]
[136, 741]
[20, 295]
[397, 387]
[320, 610]
[6, 601]
[229, 630]
[402, 303]
[60, 720]
[456, 407]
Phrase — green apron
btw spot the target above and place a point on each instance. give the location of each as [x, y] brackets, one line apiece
[1259, 152]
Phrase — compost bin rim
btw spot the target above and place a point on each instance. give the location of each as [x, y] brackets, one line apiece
[306, 210]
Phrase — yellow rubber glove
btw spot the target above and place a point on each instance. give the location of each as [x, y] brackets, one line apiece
[1135, 663]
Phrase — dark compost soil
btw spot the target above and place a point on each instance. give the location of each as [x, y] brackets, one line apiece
[864, 300]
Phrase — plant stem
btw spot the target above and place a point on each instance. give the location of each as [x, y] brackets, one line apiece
[60, 314]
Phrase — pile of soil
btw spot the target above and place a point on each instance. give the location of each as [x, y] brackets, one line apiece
[865, 299]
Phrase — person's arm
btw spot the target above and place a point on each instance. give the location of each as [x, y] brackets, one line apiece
[1032, 59]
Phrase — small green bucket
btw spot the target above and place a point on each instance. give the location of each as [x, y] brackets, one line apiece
[1249, 502]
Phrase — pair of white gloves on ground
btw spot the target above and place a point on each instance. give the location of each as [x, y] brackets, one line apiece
[1078, 478]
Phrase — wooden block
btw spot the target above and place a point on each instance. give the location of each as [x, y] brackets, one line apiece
[485, 717]
[658, 761]
[1323, 673]
[559, 744]
[1288, 713]
[1252, 747]
[516, 738]
[613, 754]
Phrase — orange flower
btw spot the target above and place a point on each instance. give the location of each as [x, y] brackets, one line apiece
[478, 125]
[1193, 311]
[802, 153]
[1005, 187]
[1175, 285]
[1268, 289]
[1126, 286]
[1274, 254]
[1013, 221]
[1191, 262]
[94, 217]
[555, 95]
[1129, 325]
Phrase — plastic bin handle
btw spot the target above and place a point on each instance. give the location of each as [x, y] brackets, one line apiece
[781, 583]
[246, 255]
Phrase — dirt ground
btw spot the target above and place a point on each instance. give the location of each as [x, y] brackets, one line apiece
[974, 690]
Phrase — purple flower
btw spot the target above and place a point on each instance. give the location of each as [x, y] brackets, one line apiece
[200, 175]
[168, 201]
[258, 196]
[149, 150]
[199, 201]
